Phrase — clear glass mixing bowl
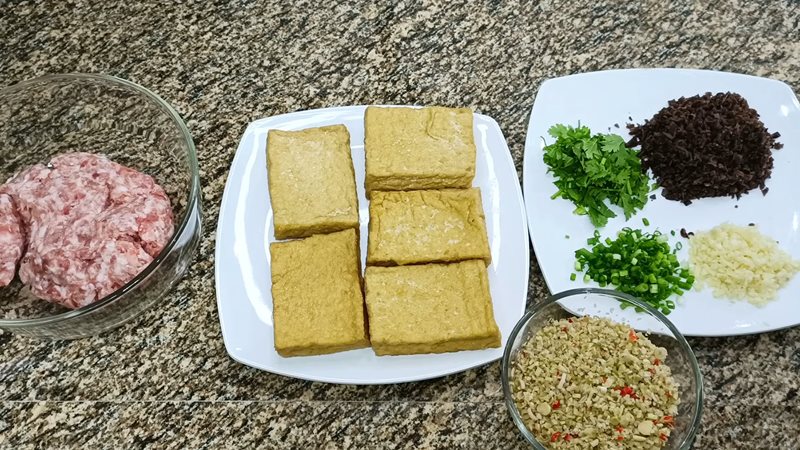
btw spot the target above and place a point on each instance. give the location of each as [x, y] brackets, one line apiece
[57, 114]
[659, 330]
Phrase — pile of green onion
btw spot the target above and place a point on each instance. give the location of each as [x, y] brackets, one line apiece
[637, 263]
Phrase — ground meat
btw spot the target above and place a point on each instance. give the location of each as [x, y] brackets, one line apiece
[706, 146]
[92, 225]
[12, 240]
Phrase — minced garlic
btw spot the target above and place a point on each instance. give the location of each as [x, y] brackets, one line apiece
[740, 263]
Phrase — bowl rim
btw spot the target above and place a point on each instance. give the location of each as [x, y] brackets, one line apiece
[554, 298]
[192, 200]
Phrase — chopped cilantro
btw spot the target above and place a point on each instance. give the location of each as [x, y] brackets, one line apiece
[590, 169]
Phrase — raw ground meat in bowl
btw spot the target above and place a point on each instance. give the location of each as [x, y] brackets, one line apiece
[113, 219]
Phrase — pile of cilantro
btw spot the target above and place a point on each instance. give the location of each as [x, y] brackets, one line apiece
[590, 169]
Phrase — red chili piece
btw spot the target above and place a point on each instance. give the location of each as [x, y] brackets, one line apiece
[662, 436]
[627, 391]
[656, 362]
[619, 429]
[568, 437]
[556, 405]
[555, 436]
[632, 336]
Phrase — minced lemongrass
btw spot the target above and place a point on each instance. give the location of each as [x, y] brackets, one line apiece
[590, 383]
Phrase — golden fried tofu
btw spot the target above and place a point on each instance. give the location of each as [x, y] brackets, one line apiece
[418, 148]
[312, 184]
[430, 308]
[317, 301]
[426, 226]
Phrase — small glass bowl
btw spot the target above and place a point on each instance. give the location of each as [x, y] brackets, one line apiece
[660, 331]
[56, 114]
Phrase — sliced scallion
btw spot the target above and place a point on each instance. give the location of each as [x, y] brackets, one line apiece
[638, 263]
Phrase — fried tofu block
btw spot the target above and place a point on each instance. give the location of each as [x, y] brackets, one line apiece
[318, 304]
[431, 308]
[312, 184]
[418, 148]
[426, 226]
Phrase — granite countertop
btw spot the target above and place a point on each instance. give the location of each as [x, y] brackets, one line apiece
[166, 381]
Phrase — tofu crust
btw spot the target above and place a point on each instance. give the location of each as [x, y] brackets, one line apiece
[431, 308]
[318, 304]
[427, 226]
[312, 184]
[418, 148]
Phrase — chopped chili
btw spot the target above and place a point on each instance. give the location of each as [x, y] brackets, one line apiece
[627, 391]
[668, 421]
[656, 362]
[568, 437]
[556, 405]
[619, 438]
[632, 336]
[564, 329]
[619, 428]
[662, 436]
[555, 436]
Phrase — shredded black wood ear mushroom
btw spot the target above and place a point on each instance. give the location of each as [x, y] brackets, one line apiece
[712, 145]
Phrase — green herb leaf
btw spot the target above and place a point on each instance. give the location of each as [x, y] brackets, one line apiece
[591, 170]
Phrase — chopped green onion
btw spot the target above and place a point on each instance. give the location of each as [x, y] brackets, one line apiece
[638, 263]
[645, 221]
[572, 276]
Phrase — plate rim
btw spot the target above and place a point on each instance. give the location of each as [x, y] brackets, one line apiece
[527, 171]
[520, 204]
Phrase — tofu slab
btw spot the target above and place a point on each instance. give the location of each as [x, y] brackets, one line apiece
[418, 148]
[431, 308]
[312, 184]
[427, 226]
[318, 305]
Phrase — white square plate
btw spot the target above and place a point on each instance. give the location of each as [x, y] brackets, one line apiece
[602, 99]
[243, 265]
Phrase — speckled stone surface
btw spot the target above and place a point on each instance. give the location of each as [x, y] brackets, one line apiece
[166, 381]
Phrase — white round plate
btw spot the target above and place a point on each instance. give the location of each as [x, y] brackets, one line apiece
[605, 100]
[243, 264]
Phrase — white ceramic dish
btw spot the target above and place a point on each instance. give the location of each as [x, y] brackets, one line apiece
[243, 266]
[602, 99]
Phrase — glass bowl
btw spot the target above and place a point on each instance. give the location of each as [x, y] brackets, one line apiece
[56, 114]
[655, 325]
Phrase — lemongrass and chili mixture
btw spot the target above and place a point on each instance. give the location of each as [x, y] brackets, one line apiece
[589, 383]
